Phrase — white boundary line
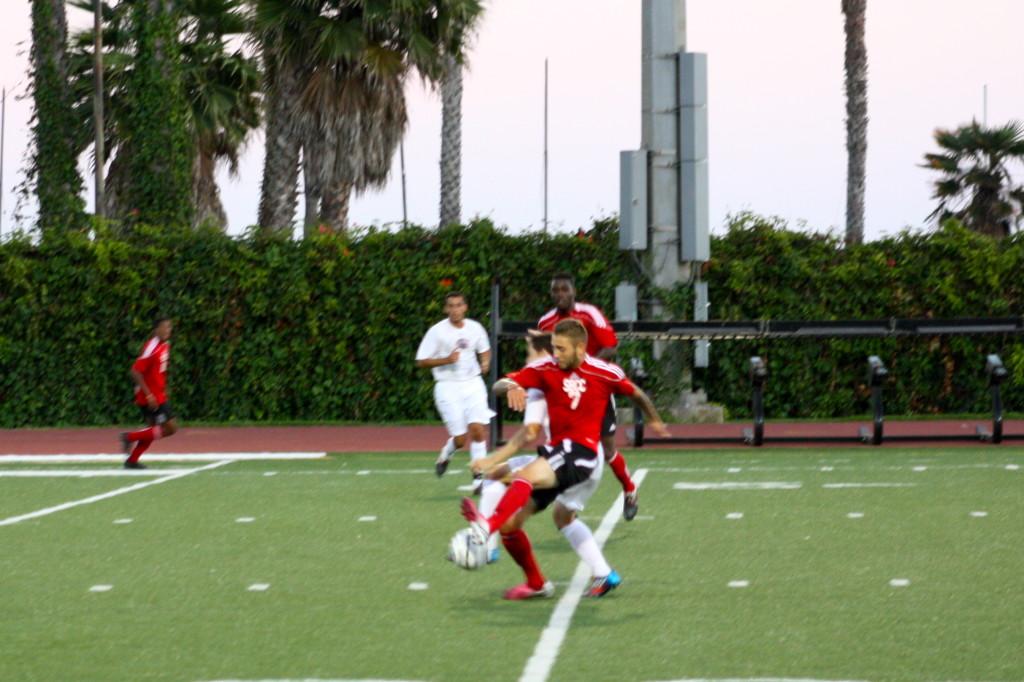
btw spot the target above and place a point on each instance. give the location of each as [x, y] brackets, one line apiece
[103, 496]
[89, 473]
[538, 668]
[161, 457]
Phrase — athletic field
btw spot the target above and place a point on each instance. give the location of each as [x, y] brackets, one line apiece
[811, 564]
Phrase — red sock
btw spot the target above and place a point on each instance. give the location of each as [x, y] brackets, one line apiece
[517, 543]
[512, 501]
[150, 433]
[618, 465]
[139, 448]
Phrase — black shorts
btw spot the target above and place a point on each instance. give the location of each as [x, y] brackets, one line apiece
[608, 424]
[161, 415]
[573, 464]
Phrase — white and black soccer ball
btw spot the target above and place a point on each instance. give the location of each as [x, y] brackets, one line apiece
[465, 550]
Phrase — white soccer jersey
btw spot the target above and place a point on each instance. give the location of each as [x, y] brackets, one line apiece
[444, 337]
[537, 411]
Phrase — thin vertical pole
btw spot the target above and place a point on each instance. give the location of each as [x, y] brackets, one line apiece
[545, 144]
[401, 160]
[3, 130]
[97, 107]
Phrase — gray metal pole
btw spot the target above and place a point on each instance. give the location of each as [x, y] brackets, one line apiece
[97, 109]
[3, 130]
[545, 145]
[401, 161]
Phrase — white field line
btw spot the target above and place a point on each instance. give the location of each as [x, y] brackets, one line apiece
[88, 473]
[538, 668]
[161, 457]
[754, 679]
[868, 485]
[851, 468]
[752, 485]
[103, 496]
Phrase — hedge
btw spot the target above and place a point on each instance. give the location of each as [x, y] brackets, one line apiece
[326, 328]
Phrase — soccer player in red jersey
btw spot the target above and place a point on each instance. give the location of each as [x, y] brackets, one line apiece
[601, 343]
[149, 374]
[576, 388]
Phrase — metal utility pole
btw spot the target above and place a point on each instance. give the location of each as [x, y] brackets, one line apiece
[545, 144]
[3, 130]
[97, 108]
[401, 161]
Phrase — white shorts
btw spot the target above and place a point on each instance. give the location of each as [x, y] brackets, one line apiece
[575, 498]
[461, 403]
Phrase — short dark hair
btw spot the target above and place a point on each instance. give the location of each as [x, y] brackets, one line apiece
[160, 319]
[572, 328]
[541, 343]
[456, 294]
[564, 276]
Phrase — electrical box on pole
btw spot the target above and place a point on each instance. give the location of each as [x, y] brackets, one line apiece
[633, 200]
[625, 302]
[695, 243]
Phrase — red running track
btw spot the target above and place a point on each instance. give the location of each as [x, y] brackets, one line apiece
[429, 438]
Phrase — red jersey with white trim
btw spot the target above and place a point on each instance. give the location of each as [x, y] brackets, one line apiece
[599, 331]
[152, 365]
[577, 398]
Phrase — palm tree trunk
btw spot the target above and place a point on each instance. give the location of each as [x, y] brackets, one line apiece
[279, 191]
[451, 142]
[205, 193]
[334, 207]
[312, 171]
[856, 65]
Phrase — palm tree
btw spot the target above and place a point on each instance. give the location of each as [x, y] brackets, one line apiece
[221, 88]
[451, 142]
[976, 186]
[336, 72]
[54, 164]
[856, 66]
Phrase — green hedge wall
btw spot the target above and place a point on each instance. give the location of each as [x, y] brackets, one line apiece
[326, 328]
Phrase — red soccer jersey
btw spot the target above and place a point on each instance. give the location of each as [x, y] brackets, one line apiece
[599, 332]
[577, 398]
[152, 365]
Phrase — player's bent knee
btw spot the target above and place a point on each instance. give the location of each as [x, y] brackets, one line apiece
[563, 516]
[459, 440]
[170, 428]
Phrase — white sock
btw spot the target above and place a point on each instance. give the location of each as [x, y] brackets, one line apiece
[448, 449]
[582, 540]
[477, 450]
[490, 495]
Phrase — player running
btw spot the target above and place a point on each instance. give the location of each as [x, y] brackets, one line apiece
[149, 374]
[601, 343]
[457, 350]
[576, 388]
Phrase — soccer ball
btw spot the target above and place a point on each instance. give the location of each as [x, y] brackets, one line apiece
[466, 552]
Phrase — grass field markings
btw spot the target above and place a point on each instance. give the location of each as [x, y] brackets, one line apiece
[739, 583]
[367, 518]
[103, 496]
[979, 514]
[418, 587]
[734, 516]
[726, 679]
[245, 519]
[759, 485]
[919, 468]
[270, 473]
[258, 587]
[538, 667]
[88, 473]
[828, 468]
[838, 486]
[162, 457]
[855, 515]
[734, 470]
[363, 472]
[121, 522]
[468, 488]
[101, 588]
[899, 582]
[1012, 467]
[321, 679]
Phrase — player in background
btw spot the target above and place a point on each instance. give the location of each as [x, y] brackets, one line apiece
[601, 343]
[457, 350]
[149, 374]
[576, 388]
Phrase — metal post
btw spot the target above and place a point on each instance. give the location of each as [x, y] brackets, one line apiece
[545, 145]
[401, 162]
[495, 372]
[758, 376]
[996, 371]
[877, 374]
[639, 378]
[97, 110]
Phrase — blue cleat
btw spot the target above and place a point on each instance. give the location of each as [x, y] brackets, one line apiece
[602, 586]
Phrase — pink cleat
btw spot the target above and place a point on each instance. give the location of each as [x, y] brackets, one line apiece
[524, 591]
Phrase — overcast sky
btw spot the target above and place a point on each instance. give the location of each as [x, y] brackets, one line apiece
[776, 109]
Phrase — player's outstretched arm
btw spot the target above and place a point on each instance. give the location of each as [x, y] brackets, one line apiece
[513, 392]
[651, 416]
[523, 437]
